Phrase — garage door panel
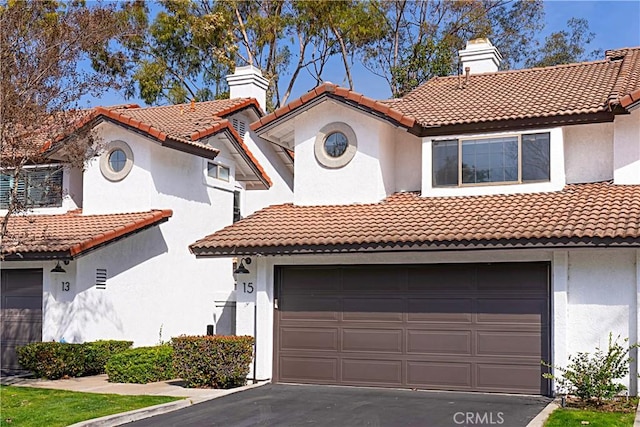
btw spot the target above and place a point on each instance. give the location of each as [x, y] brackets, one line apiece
[313, 369]
[371, 280]
[430, 374]
[305, 308]
[439, 327]
[299, 281]
[373, 309]
[439, 342]
[511, 311]
[521, 277]
[309, 339]
[449, 310]
[431, 278]
[372, 340]
[515, 378]
[382, 372]
[24, 331]
[517, 343]
[20, 312]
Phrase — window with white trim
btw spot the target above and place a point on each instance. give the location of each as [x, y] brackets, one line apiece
[36, 187]
[215, 170]
[508, 159]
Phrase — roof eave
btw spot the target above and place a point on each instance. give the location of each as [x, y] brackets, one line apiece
[465, 245]
[88, 246]
[517, 124]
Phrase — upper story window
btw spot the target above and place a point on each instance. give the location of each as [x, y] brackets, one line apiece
[335, 145]
[217, 171]
[237, 215]
[504, 160]
[37, 187]
[116, 161]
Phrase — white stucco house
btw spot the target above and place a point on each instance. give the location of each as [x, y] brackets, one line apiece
[452, 238]
[103, 252]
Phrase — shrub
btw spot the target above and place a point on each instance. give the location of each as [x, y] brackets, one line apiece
[141, 365]
[595, 377]
[53, 360]
[213, 361]
[98, 354]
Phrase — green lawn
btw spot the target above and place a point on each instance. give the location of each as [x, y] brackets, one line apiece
[25, 406]
[574, 417]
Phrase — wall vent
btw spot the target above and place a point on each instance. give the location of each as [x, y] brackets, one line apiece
[101, 278]
[240, 126]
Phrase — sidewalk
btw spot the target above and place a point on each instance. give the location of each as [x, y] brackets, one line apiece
[100, 384]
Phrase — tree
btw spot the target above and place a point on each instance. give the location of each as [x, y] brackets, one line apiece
[191, 45]
[565, 46]
[423, 38]
[44, 49]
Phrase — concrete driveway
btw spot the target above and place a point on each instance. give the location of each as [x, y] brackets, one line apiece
[296, 405]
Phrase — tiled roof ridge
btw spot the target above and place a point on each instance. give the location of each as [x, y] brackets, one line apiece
[328, 88]
[186, 105]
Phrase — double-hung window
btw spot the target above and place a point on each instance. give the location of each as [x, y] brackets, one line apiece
[36, 187]
[497, 160]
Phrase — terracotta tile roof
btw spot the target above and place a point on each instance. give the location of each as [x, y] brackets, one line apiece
[588, 214]
[333, 91]
[72, 234]
[563, 90]
[181, 125]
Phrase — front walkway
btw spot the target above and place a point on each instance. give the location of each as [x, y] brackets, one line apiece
[100, 384]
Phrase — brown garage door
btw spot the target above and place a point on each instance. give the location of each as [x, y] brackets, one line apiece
[472, 327]
[20, 313]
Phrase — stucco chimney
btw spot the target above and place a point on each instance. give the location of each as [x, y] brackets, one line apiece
[480, 56]
[247, 82]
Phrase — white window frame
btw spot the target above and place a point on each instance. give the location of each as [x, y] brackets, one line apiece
[557, 160]
[461, 140]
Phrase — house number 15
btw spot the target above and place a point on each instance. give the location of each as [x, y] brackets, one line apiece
[65, 286]
[247, 287]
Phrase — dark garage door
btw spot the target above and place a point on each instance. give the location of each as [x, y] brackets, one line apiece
[20, 313]
[471, 327]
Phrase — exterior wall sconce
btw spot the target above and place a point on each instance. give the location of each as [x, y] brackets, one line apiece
[58, 268]
[241, 268]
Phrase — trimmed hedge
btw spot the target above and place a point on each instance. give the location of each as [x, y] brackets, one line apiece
[54, 360]
[142, 365]
[213, 361]
[99, 353]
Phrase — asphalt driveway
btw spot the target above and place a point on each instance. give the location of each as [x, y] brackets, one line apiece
[296, 405]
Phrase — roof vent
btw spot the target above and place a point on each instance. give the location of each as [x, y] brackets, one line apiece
[480, 56]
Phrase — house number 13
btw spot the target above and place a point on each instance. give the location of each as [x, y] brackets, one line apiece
[65, 286]
[247, 287]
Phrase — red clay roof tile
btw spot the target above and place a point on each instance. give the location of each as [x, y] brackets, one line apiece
[330, 89]
[579, 211]
[562, 90]
[71, 234]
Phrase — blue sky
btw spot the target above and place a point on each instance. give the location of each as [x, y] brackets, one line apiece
[615, 23]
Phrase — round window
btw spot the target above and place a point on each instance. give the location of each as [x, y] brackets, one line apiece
[335, 144]
[117, 160]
